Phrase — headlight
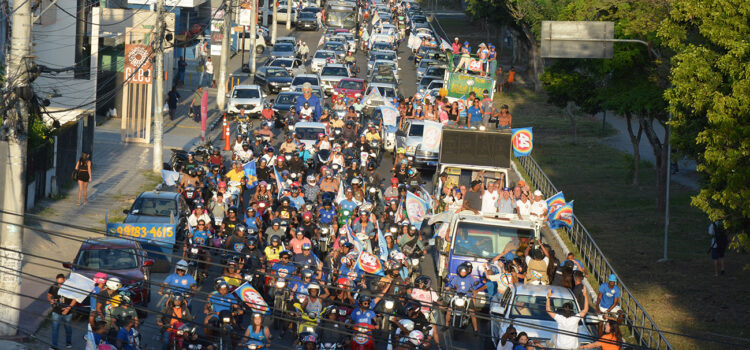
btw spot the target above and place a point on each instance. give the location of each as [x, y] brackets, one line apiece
[309, 329]
[410, 149]
[414, 262]
[460, 302]
[226, 319]
[389, 304]
[194, 250]
[280, 284]
[248, 278]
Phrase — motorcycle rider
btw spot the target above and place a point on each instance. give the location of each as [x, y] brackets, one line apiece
[290, 118]
[257, 333]
[120, 311]
[252, 219]
[308, 258]
[273, 250]
[198, 214]
[296, 243]
[179, 281]
[231, 221]
[220, 300]
[322, 143]
[311, 189]
[190, 178]
[463, 282]
[363, 312]
[266, 134]
[392, 284]
[372, 133]
[285, 211]
[298, 202]
[306, 112]
[236, 242]
[421, 323]
[351, 61]
[267, 113]
[245, 154]
[350, 131]
[190, 163]
[174, 314]
[284, 268]
[331, 330]
[308, 227]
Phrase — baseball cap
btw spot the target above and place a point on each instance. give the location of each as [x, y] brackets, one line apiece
[506, 189]
[537, 193]
[306, 246]
[394, 180]
[612, 278]
[521, 183]
[486, 92]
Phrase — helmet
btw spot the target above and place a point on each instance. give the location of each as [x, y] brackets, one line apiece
[364, 299]
[412, 306]
[275, 238]
[401, 150]
[464, 267]
[252, 241]
[114, 283]
[232, 210]
[394, 265]
[408, 324]
[100, 277]
[192, 172]
[426, 280]
[311, 178]
[285, 253]
[240, 228]
[309, 338]
[177, 298]
[181, 265]
[307, 273]
[416, 337]
[220, 283]
[348, 245]
[313, 286]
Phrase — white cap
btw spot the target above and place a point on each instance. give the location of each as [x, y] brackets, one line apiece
[537, 193]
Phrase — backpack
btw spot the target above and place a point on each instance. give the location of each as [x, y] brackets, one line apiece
[720, 234]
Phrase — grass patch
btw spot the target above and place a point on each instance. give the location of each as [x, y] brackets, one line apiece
[151, 179]
[681, 295]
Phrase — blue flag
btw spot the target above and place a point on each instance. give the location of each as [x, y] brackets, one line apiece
[562, 216]
[352, 238]
[382, 245]
[278, 182]
[251, 173]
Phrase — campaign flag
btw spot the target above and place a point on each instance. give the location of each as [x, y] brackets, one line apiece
[390, 115]
[522, 141]
[444, 45]
[382, 245]
[251, 173]
[369, 263]
[352, 238]
[373, 95]
[340, 197]
[169, 177]
[431, 136]
[563, 216]
[426, 196]
[400, 212]
[416, 209]
[278, 182]
[252, 298]
[554, 202]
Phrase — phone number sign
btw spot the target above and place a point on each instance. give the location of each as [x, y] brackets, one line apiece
[156, 233]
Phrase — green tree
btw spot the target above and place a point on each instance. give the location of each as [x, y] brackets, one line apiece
[710, 102]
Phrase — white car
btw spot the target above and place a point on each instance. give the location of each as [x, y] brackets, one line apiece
[300, 79]
[287, 39]
[308, 133]
[320, 59]
[386, 65]
[247, 97]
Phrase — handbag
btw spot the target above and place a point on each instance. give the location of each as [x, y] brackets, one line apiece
[75, 175]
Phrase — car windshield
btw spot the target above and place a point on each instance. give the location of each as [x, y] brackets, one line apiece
[107, 259]
[337, 71]
[351, 84]
[301, 80]
[416, 130]
[388, 56]
[283, 47]
[307, 15]
[333, 46]
[286, 99]
[535, 306]
[436, 71]
[306, 133]
[380, 45]
[386, 91]
[426, 80]
[488, 241]
[246, 93]
[384, 78]
[324, 54]
[277, 73]
[281, 63]
[154, 206]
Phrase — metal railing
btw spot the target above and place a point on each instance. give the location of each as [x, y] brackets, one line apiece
[640, 324]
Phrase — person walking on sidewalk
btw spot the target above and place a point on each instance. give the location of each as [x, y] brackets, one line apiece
[61, 312]
[173, 97]
[83, 176]
[208, 69]
[719, 243]
[195, 106]
[181, 67]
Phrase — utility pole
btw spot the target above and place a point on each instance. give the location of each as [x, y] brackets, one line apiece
[253, 35]
[275, 21]
[14, 141]
[224, 59]
[289, 5]
[158, 81]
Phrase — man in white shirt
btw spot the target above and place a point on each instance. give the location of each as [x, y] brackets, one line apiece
[489, 198]
[209, 69]
[567, 323]
[523, 206]
[538, 207]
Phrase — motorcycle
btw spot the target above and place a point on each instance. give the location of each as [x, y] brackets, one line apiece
[280, 295]
[375, 148]
[362, 338]
[341, 113]
[196, 257]
[325, 233]
[415, 264]
[234, 190]
[308, 321]
[322, 157]
[243, 127]
[192, 196]
[459, 305]
[337, 133]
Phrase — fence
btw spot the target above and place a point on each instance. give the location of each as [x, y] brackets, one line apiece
[640, 324]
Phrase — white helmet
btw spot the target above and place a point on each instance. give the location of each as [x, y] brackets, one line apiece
[313, 286]
[182, 265]
[114, 283]
[416, 337]
[408, 324]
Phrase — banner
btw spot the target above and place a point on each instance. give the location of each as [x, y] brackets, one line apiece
[153, 233]
[390, 116]
[340, 197]
[352, 238]
[522, 141]
[373, 95]
[416, 209]
[462, 84]
[431, 136]
[252, 298]
[278, 182]
[562, 217]
[475, 65]
[555, 202]
[382, 245]
[169, 177]
[77, 287]
[369, 263]
[252, 174]
[138, 68]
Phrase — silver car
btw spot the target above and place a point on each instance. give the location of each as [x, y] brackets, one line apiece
[247, 97]
[386, 65]
[409, 137]
[331, 74]
[527, 305]
[320, 59]
[300, 79]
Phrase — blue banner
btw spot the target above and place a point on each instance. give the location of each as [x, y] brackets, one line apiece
[352, 238]
[522, 141]
[554, 202]
[382, 245]
[251, 173]
[562, 216]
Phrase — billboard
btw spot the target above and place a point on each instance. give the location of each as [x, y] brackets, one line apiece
[473, 147]
[138, 66]
[460, 85]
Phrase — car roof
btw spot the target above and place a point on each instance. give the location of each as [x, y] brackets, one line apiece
[309, 125]
[337, 65]
[328, 51]
[354, 79]
[392, 86]
[287, 93]
[247, 87]
[306, 76]
[541, 290]
[159, 195]
[108, 243]
[373, 52]
[286, 38]
[390, 62]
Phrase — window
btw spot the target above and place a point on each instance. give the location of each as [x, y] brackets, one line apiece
[273, 73]
[108, 259]
[488, 241]
[335, 71]
[324, 54]
[535, 306]
[309, 133]
[154, 206]
[286, 99]
[246, 93]
[301, 80]
[416, 130]
[351, 84]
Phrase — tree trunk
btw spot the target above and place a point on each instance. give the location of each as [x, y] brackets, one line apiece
[535, 60]
[572, 116]
[660, 155]
[635, 140]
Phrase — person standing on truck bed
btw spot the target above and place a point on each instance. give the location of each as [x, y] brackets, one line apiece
[473, 198]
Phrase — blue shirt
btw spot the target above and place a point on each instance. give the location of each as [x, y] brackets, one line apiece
[221, 302]
[363, 316]
[92, 297]
[200, 237]
[462, 284]
[251, 223]
[326, 216]
[297, 202]
[177, 283]
[348, 205]
[284, 270]
[369, 228]
[608, 295]
[475, 114]
[313, 101]
[127, 338]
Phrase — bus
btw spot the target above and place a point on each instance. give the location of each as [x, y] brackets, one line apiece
[341, 14]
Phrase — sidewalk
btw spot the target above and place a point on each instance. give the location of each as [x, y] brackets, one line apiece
[687, 176]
